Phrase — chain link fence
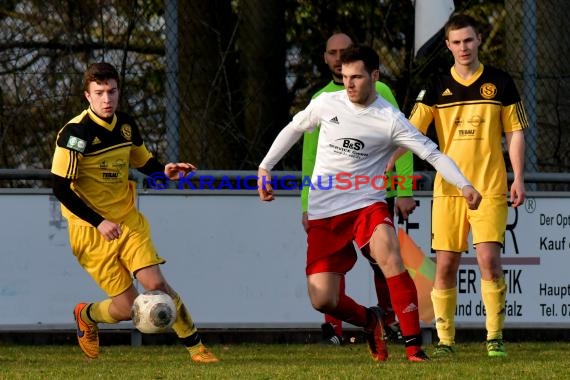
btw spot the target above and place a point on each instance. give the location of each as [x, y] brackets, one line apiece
[213, 82]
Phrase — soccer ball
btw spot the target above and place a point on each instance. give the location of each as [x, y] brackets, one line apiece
[153, 312]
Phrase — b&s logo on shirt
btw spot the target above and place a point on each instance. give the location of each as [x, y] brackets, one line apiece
[76, 143]
[351, 143]
[488, 90]
[351, 147]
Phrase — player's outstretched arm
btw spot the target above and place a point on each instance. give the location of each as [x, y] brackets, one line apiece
[173, 170]
[451, 174]
[264, 187]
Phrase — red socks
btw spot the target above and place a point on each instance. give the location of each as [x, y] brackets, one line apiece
[349, 311]
[337, 323]
[405, 303]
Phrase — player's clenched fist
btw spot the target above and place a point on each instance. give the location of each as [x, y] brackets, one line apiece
[472, 197]
[264, 187]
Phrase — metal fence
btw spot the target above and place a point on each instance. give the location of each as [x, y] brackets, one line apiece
[212, 82]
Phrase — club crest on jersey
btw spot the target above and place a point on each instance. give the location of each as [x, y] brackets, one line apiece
[488, 90]
[76, 143]
[126, 132]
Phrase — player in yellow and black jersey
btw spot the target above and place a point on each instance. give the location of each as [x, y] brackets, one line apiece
[471, 116]
[109, 237]
[472, 107]
[95, 154]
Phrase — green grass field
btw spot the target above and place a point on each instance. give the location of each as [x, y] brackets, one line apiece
[294, 361]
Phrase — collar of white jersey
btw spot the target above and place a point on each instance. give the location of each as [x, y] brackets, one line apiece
[358, 107]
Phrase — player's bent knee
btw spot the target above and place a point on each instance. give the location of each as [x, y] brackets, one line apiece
[323, 305]
[156, 284]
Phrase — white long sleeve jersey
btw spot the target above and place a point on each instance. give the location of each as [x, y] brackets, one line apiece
[355, 144]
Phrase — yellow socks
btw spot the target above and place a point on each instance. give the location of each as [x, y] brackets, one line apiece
[196, 349]
[98, 312]
[494, 294]
[444, 302]
[183, 326]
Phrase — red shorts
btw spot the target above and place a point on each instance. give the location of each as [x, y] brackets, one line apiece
[330, 240]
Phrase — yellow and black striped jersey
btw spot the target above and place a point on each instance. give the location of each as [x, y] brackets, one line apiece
[470, 117]
[96, 156]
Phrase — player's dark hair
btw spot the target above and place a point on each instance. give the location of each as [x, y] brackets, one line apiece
[362, 53]
[99, 72]
[460, 21]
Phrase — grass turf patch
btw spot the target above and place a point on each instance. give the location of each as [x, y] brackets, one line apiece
[544, 360]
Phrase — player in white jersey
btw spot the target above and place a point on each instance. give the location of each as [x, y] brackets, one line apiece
[359, 133]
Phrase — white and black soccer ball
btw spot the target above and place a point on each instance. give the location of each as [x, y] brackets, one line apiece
[153, 312]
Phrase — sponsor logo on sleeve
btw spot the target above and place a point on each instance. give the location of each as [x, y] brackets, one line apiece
[76, 143]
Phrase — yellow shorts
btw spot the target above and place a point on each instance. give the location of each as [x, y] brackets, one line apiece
[112, 263]
[451, 220]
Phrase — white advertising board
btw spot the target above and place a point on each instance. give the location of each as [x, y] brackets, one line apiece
[239, 262]
[535, 257]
